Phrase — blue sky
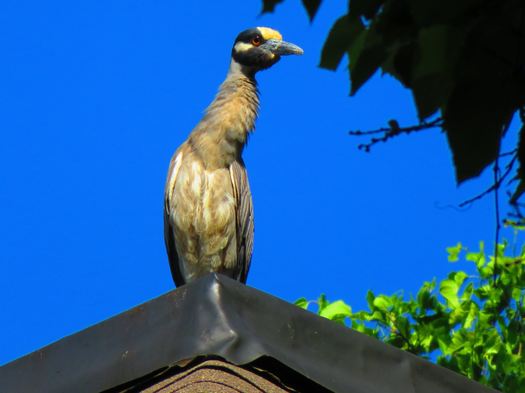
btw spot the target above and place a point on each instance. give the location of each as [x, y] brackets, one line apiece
[97, 95]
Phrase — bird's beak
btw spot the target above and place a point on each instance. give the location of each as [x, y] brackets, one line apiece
[282, 48]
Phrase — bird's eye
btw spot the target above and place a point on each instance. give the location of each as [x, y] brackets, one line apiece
[256, 41]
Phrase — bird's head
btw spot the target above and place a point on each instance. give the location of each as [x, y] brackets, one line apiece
[261, 47]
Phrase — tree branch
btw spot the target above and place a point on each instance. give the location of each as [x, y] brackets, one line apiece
[392, 131]
[497, 184]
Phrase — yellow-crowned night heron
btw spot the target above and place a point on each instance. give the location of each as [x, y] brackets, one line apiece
[208, 214]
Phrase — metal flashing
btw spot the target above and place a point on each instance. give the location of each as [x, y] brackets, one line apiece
[222, 317]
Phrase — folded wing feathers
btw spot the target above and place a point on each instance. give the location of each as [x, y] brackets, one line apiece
[244, 208]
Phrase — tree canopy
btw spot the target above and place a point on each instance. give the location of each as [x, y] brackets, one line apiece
[462, 60]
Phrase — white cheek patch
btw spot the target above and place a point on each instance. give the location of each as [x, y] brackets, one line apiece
[242, 47]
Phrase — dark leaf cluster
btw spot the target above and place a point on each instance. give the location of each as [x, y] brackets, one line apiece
[464, 61]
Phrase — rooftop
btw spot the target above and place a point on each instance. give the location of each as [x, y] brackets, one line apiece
[216, 319]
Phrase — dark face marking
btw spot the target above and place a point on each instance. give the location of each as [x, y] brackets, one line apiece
[250, 54]
[247, 35]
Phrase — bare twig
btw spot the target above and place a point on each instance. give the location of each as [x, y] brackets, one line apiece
[496, 208]
[497, 182]
[517, 215]
[392, 131]
[508, 153]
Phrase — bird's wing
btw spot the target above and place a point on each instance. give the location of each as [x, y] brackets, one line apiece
[244, 208]
[169, 236]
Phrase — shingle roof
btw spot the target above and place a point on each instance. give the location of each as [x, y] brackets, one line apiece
[218, 316]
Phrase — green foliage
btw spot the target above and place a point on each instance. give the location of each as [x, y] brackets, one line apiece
[269, 5]
[462, 60]
[311, 7]
[472, 324]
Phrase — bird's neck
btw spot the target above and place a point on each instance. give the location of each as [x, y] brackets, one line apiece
[222, 133]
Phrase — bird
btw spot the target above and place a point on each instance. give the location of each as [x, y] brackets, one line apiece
[208, 210]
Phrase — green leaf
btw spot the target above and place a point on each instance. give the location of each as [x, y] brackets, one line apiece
[403, 326]
[433, 77]
[471, 315]
[423, 296]
[513, 333]
[459, 277]
[429, 12]
[343, 34]
[370, 299]
[449, 290]
[439, 48]
[366, 330]
[484, 291]
[269, 5]
[487, 271]
[367, 53]
[337, 309]
[520, 188]
[302, 302]
[361, 315]
[426, 341]
[366, 8]
[467, 293]
[517, 294]
[479, 257]
[382, 302]
[400, 62]
[453, 252]
[490, 345]
[311, 6]
[322, 303]
[378, 316]
[457, 315]
[475, 118]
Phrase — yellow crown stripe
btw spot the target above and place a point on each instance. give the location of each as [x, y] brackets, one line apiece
[268, 33]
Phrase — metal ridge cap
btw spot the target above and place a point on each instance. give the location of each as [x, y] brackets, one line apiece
[216, 315]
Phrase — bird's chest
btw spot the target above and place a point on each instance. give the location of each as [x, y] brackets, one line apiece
[205, 199]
